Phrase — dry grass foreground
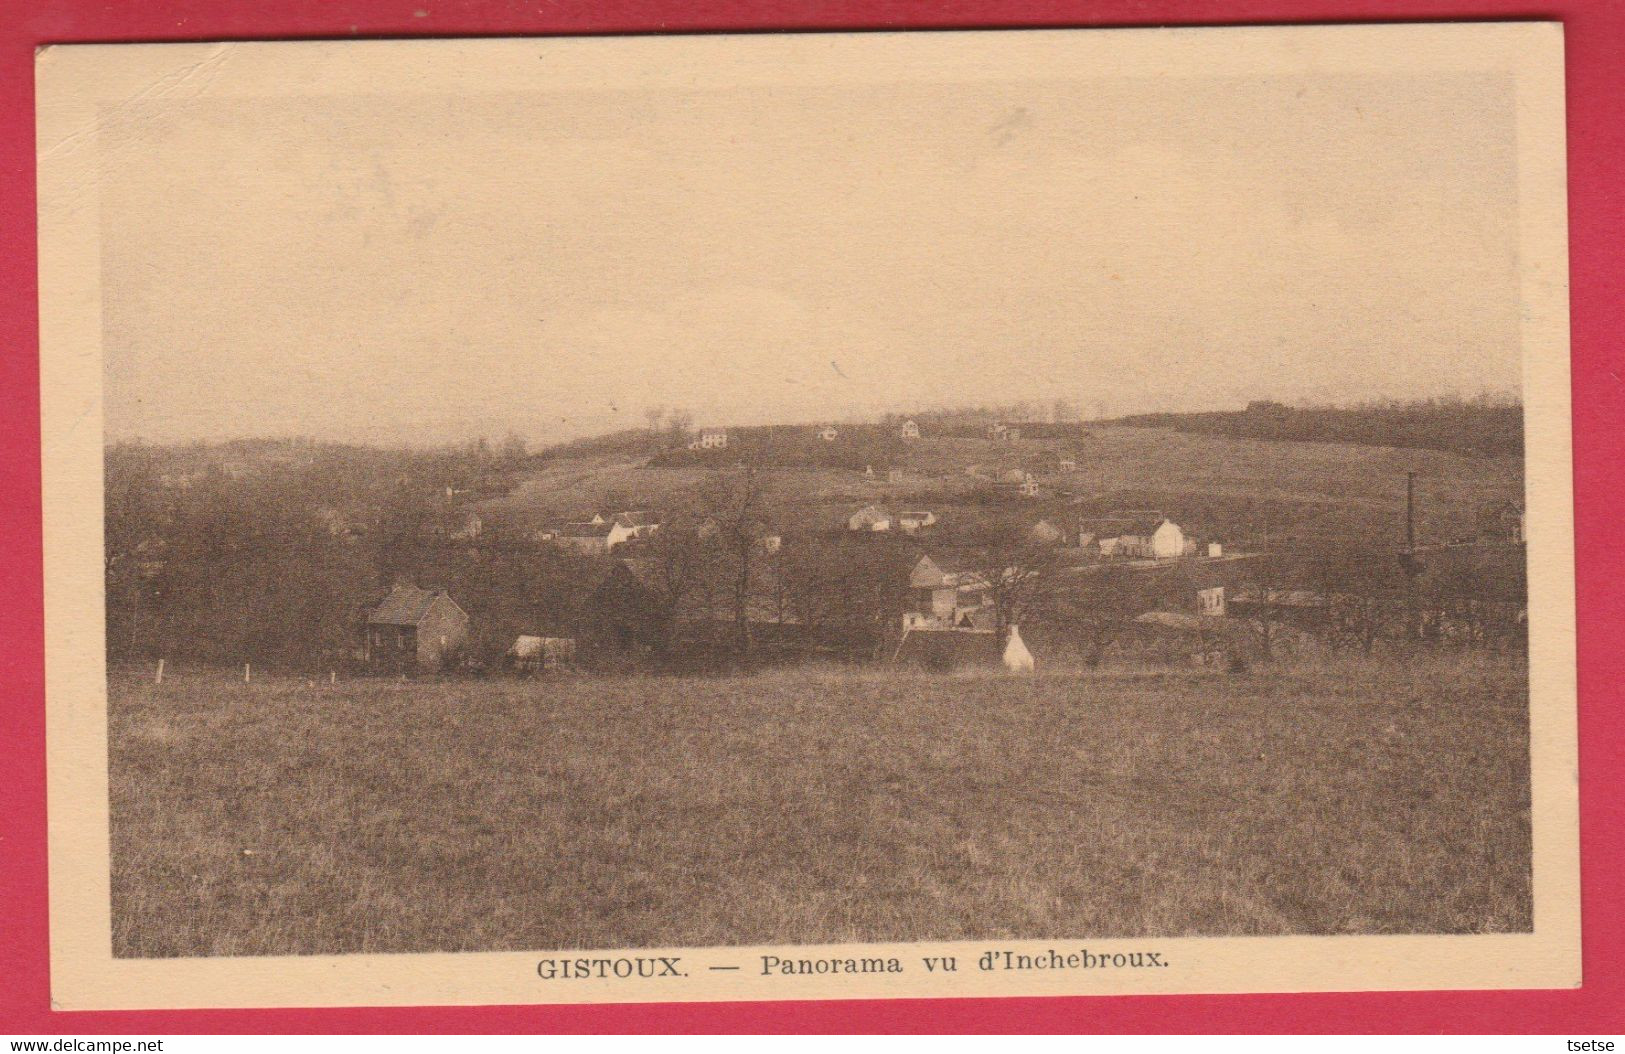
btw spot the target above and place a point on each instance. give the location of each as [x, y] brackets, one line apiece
[814, 806]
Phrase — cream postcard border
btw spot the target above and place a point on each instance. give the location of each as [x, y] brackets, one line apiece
[77, 83]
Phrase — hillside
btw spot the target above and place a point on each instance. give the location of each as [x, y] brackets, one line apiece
[1243, 491]
[1483, 427]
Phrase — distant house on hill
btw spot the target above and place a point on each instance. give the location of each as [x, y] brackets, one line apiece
[910, 430]
[1142, 535]
[594, 539]
[828, 433]
[1003, 433]
[870, 518]
[415, 629]
[710, 439]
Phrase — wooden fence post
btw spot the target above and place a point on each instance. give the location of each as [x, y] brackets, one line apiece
[247, 676]
[159, 677]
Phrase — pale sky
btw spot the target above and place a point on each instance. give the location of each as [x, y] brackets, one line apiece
[422, 269]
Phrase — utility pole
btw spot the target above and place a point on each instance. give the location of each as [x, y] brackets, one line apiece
[1410, 512]
[1408, 562]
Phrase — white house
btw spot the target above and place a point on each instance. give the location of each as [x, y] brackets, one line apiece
[1066, 464]
[910, 430]
[713, 438]
[639, 524]
[910, 522]
[1141, 535]
[1029, 486]
[869, 518]
[828, 433]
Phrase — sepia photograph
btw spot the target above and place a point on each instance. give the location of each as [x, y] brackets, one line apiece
[1060, 494]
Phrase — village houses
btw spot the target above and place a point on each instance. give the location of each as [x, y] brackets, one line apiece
[1140, 535]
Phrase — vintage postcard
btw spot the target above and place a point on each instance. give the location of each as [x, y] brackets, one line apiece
[808, 516]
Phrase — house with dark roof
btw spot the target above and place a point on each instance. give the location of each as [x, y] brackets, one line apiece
[942, 593]
[415, 629]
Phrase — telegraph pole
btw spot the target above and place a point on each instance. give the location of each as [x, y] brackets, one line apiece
[1408, 562]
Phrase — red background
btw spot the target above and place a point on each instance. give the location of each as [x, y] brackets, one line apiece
[1596, 142]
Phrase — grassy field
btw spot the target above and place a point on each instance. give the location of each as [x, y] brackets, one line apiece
[810, 806]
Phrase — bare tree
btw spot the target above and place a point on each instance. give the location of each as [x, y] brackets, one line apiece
[736, 503]
[676, 566]
[1017, 569]
[679, 423]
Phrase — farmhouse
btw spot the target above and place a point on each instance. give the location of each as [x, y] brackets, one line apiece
[594, 539]
[1066, 464]
[869, 518]
[713, 438]
[941, 595]
[828, 433]
[1003, 433]
[910, 430]
[1028, 487]
[1142, 535]
[415, 628]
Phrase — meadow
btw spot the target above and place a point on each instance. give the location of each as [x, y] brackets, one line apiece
[285, 816]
